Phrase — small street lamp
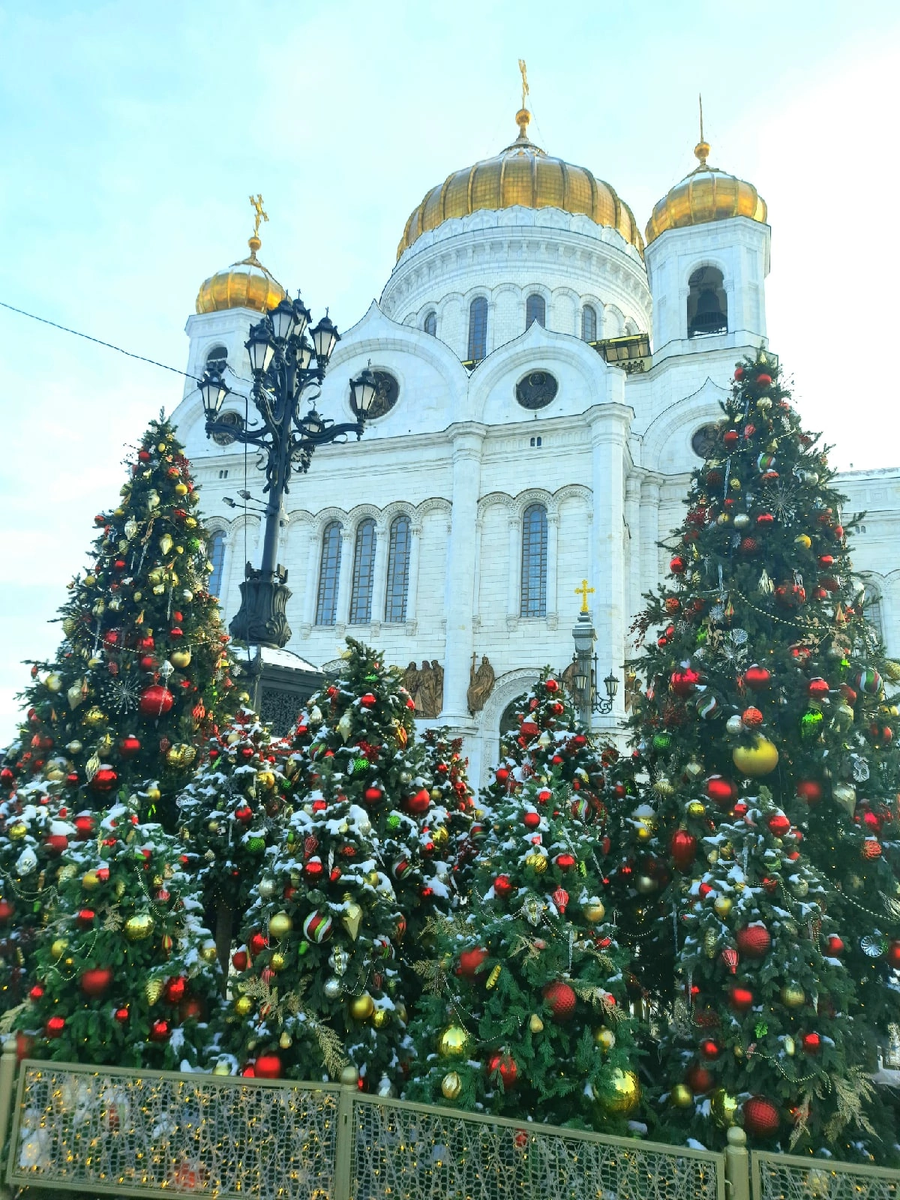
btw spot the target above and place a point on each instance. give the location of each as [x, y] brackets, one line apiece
[286, 364]
[585, 662]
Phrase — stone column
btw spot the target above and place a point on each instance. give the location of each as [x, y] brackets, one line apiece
[459, 585]
[632, 520]
[513, 570]
[649, 550]
[313, 555]
[610, 425]
[412, 583]
[379, 584]
[552, 568]
[348, 537]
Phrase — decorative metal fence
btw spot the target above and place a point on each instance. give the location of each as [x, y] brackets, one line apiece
[784, 1177]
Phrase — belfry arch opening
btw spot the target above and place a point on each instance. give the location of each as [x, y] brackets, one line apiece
[707, 304]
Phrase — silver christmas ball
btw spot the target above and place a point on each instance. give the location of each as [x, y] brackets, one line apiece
[333, 988]
[741, 521]
[267, 888]
[734, 725]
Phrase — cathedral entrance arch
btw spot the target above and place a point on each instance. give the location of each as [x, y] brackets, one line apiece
[498, 716]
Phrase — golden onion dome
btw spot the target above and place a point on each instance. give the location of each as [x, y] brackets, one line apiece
[245, 284]
[707, 194]
[524, 175]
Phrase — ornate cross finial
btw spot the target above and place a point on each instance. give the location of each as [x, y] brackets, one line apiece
[701, 150]
[261, 215]
[525, 87]
[523, 116]
[584, 591]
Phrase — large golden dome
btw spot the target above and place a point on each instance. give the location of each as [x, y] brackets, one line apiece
[245, 284]
[707, 194]
[522, 174]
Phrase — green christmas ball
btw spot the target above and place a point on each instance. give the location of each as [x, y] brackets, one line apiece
[809, 724]
[662, 741]
[360, 765]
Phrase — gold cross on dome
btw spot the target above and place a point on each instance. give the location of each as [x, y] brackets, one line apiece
[261, 214]
[584, 591]
[525, 88]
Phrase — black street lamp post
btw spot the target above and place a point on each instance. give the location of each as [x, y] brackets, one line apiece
[585, 674]
[281, 359]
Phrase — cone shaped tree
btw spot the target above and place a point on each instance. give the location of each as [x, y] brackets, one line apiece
[526, 1013]
[764, 691]
[142, 674]
[124, 971]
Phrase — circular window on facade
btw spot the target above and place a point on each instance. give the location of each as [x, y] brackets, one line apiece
[536, 390]
[223, 437]
[705, 440]
[387, 392]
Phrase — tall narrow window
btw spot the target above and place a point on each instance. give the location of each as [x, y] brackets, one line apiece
[398, 570]
[329, 573]
[430, 325]
[534, 562]
[363, 573]
[874, 609]
[535, 310]
[477, 329]
[216, 554]
[589, 323]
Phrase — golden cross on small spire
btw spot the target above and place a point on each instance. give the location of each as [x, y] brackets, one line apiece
[523, 116]
[700, 98]
[261, 214]
[584, 591]
[525, 88]
[701, 150]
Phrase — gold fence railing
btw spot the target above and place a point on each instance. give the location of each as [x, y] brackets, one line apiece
[109, 1130]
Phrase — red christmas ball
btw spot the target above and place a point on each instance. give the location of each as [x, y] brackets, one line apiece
[159, 1031]
[420, 802]
[240, 959]
[96, 981]
[367, 700]
[893, 954]
[710, 1049]
[779, 824]
[677, 565]
[121, 1015]
[191, 1009]
[817, 688]
[757, 677]
[175, 988]
[531, 820]
[812, 1043]
[683, 848]
[730, 437]
[85, 917]
[501, 775]
[809, 790]
[372, 795]
[505, 1066]
[834, 946]
[502, 885]
[761, 1117]
[84, 826]
[739, 373]
[741, 998]
[105, 780]
[54, 1027]
[36, 993]
[565, 861]
[551, 685]
[699, 1079]
[685, 681]
[129, 746]
[314, 868]
[155, 701]
[754, 941]
[268, 1066]
[561, 998]
[752, 717]
[763, 380]
[244, 814]
[765, 519]
[471, 962]
[258, 943]
[749, 545]
[6, 910]
[721, 791]
[56, 843]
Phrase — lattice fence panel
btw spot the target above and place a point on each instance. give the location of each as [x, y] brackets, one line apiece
[411, 1154]
[780, 1177]
[104, 1130]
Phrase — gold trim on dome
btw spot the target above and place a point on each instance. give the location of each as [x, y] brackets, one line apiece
[522, 174]
[245, 284]
[707, 194]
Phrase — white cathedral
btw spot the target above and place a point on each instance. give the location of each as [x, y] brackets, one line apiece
[546, 375]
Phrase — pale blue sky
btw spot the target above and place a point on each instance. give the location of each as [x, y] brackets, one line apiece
[132, 134]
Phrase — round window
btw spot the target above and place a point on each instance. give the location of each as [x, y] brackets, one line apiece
[705, 440]
[536, 390]
[223, 437]
[386, 394]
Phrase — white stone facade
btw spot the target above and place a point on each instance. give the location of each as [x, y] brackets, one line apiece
[608, 459]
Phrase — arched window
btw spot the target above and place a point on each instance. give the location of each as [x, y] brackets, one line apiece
[707, 305]
[589, 323]
[216, 359]
[535, 310]
[215, 552]
[874, 608]
[534, 562]
[509, 725]
[430, 325]
[477, 329]
[397, 569]
[363, 573]
[329, 573]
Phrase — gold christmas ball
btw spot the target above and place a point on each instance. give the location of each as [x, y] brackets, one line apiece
[453, 1042]
[594, 910]
[451, 1085]
[380, 1018]
[724, 1107]
[53, 682]
[440, 837]
[265, 780]
[180, 658]
[243, 1006]
[18, 830]
[138, 927]
[280, 925]
[803, 540]
[153, 794]
[362, 1007]
[722, 906]
[221, 1068]
[90, 880]
[696, 808]
[285, 1041]
[373, 878]
[93, 717]
[758, 759]
[790, 1046]
[535, 1024]
[624, 1094]
[604, 1038]
[58, 948]
[537, 862]
[277, 962]
[208, 952]
[681, 1096]
[180, 489]
[792, 996]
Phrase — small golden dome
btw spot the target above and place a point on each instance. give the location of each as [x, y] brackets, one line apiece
[522, 174]
[707, 194]
[245, 284]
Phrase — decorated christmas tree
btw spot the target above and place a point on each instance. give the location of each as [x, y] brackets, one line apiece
[141, 675]
[526, 1013]
[316, 988]
[230, 812]
[765, 703]
[451, 792]
[125, 973]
